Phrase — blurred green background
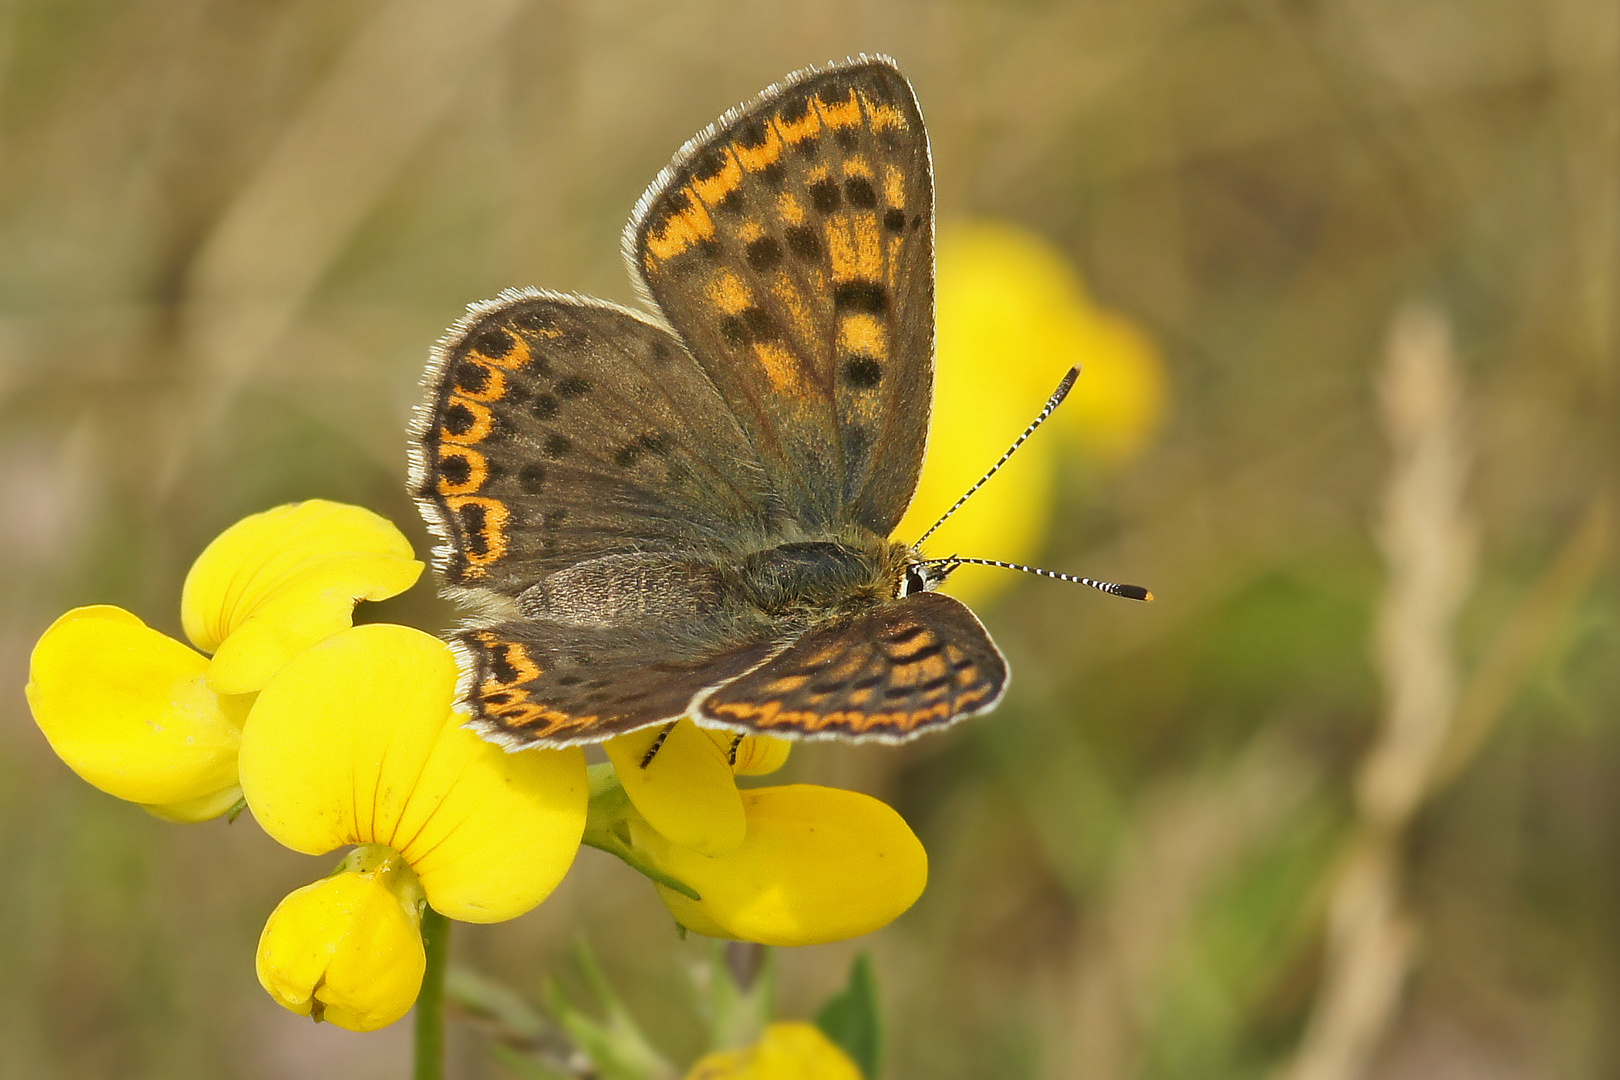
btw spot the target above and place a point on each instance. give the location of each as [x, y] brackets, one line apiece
[1227, 835]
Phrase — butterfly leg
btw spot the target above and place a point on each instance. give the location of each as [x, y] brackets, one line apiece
[658, 744]
[731, 758]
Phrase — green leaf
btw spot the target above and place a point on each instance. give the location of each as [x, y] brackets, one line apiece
[850, 1018]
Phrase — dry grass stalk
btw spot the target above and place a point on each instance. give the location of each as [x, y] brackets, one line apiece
[1429, 547]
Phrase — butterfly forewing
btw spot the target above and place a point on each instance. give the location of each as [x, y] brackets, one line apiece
[918, 662]
[558, 429]
[791, 247]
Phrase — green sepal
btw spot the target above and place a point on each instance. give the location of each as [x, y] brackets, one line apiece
[607, 828]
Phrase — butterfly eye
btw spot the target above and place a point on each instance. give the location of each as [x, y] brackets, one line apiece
[915, 580]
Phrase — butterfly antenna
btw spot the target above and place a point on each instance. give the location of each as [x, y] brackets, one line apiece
[1112, 588]
[1051, 405]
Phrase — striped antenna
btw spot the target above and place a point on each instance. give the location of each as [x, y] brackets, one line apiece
[1113, 588]
[1051, 404]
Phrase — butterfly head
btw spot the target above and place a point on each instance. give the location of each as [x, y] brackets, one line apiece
[922, 575]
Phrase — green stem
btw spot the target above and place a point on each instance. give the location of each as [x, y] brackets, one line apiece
[430, 1002]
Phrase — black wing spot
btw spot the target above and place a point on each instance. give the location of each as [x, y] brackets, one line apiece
[804, 242]
[862, 372]
[860, 193]
[532, 477]
[471, 377]
[458, 419]
[764, 254]
[545, 405]
[573, 386]
[558, 445]
[456, 469]
[749, 325]
[774, 174]
[750, 134]
[846, 138]
[709, 164]
[894, 219]
[500, 667]
[824, 196]
[658, 353]
[493, 343]
[473, 520]
[732, 202]
[833, 92]
[794, 109]
[861, 295]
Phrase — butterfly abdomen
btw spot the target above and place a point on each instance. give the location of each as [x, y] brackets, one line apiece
[624, 590]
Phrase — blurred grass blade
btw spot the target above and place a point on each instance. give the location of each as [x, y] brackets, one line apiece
[851, 1018]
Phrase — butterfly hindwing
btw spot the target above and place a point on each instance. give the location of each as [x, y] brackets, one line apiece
[791, 247]
[558, 429]
[921, 661]
[541, 682]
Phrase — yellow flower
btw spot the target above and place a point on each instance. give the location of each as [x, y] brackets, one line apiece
[348, 949]
[148, 719]
[816, 865]
[275, 583]
[353, 741]
[786, 1051]
[688, 790]
[793, 865]
[1011, 304]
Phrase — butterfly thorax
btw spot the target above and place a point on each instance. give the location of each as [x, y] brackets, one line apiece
[823, 577]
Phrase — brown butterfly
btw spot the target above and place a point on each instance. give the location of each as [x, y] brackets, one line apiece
[688, 513]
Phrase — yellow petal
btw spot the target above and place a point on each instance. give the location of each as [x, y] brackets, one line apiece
[129, 710]
[752, 755]
[818, 865]
[204, 808]
[786, 1051]
[353, 742]
[345, 950]
[687, 792]
[275, 583]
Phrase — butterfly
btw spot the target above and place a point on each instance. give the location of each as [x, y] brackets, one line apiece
[688, 512]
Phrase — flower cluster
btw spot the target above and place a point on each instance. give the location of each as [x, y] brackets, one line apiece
[335, 735]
